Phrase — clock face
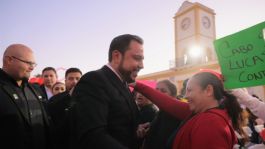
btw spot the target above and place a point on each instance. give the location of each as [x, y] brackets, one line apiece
[206, 22]
[185, 23]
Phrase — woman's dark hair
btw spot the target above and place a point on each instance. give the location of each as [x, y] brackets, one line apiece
[56, 84]
[183, 90]
[226, 100]
[172, 87]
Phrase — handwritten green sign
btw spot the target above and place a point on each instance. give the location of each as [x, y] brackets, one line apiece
[242, 57]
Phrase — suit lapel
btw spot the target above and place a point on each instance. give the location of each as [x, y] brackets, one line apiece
[42, 87]
[40, 101]
[15, 98]
[113, 78]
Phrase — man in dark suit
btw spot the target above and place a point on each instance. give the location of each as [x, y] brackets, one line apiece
[58, 107]
[106, 114]
[49, 76]
[24, 123]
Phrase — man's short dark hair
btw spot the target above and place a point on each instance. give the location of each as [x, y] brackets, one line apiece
[48, 69]
[122, 42]
[71, 70]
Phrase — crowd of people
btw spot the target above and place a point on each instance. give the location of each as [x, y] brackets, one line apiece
[108, 109]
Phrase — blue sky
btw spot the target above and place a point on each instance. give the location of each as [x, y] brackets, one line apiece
[77, 33]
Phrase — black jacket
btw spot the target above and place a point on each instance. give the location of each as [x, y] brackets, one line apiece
[43, 92]
[106, 113]
[58, 108]
[147, 113]
[15, 127]
[160, 131]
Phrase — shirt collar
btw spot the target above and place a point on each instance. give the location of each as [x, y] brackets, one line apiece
[49, 92]
[112, 69]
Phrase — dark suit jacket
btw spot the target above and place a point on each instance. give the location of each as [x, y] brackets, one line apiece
[106, 113]
[161, 129]
[15, 128]
[58, 107]
[43, 92]
[147, 113]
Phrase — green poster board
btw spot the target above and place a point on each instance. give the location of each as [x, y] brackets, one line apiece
[242, 57]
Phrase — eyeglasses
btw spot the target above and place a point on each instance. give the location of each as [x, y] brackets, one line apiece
[27, 62]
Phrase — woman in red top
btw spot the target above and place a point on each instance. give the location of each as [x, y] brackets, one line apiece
[209, 116]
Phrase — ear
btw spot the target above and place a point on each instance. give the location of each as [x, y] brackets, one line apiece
[116, 56]
[209, 90]
[7, 60]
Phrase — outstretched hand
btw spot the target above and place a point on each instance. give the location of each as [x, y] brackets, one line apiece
[241, 94]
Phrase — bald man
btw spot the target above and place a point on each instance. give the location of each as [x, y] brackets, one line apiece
[24, 122]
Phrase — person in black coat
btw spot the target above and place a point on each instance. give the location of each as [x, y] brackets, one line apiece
[147, 112]
[163, 124]
[105, 112]
[24, 122]
[147, 109]
[59, 106]
[50, 77]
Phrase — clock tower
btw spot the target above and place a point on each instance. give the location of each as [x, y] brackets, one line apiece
[194, 34]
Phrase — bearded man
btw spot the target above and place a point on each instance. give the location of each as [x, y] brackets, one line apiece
[105, 111]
